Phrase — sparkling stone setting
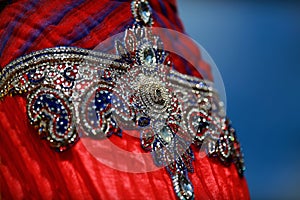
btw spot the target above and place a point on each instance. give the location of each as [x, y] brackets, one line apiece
[73, 91]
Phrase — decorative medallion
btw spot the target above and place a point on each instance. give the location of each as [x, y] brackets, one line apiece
[74, 92]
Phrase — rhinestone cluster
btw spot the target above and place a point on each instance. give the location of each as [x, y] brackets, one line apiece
[74, 92]
[142, 12]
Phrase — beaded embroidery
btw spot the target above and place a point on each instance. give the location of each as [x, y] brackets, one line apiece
[134, 89]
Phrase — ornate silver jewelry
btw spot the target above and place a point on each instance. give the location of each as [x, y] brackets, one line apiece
[74, 92]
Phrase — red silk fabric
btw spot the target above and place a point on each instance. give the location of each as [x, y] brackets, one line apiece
[29, 168]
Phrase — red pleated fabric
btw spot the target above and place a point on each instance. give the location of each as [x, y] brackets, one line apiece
[29, 169]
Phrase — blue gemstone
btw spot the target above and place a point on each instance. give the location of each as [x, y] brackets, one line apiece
[102, 99]
[144, 121]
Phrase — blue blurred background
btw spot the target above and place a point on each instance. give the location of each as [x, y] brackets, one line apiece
[256, 46]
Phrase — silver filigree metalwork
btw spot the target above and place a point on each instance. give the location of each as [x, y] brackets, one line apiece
[74, 92]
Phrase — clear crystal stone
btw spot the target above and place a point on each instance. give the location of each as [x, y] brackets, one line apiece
[149, 56]
[144, 12]
[186, 187]
[165, 134]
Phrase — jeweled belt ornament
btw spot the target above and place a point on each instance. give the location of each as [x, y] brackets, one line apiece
[68, 87]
